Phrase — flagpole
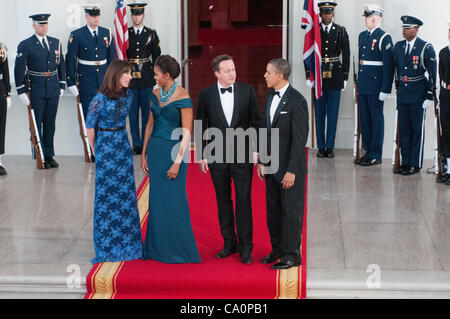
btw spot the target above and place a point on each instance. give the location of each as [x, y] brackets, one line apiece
[312, 118]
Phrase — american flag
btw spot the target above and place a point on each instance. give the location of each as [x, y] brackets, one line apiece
[121, 30]
[312, 55]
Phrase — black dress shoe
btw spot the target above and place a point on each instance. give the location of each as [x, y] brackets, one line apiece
[286, 264]
[400, 169]
[447, 182]
[226, 252]
[246, 259]
[270, 258]
[137, 150]
[370, 162]
[360, 160]
[321, 153]
[411, 171]
[2, 171]
[51, 163]
[443, 179]
[330, 153]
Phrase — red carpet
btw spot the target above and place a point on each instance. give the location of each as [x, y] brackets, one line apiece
[212, 279]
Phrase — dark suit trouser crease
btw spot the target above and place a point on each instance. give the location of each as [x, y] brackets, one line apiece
[285, 210]
[242, 179]
[45, 110]
[445, 125]
[3, 111]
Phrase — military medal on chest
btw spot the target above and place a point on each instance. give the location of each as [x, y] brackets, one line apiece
[416, 62]
[374, 42]
[58, 57]
[106, 41]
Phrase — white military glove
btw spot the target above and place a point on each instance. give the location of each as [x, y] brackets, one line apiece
[73, 89]
[383, 96]
[8, 102]
[345, 85]
[24, 99]
[443, 84]
[427, 103]
[309, 84]
[61, 92]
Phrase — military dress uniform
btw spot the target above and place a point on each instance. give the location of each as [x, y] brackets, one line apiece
[5, 91]
[40, 70]
[88, 57]
[412, 62]
[143, 50]
[375, 76]
[444, 102]
[335, 43]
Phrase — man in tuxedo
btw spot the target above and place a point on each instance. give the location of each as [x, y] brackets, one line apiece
[230, 107]
[286, 111]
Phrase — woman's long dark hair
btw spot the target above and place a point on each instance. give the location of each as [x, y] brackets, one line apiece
[111, 83]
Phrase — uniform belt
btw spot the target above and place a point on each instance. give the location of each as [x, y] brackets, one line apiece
[112, 129]
[372, 63]
[138, 61]
[43, 74]
[332, 59]
[412, 78]
[93, 63]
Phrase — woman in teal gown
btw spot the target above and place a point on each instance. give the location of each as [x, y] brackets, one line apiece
[170, 238]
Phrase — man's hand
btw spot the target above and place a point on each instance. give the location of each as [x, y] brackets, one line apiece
[8, 102]
[204, 166]
[288, 180]
[61, 92]
[260, 171]
[427, 103]
[345, 85]
[383, 96]
[309, 84]
[24, 99]
[73, 89]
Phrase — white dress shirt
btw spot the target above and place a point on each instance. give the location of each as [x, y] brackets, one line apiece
[411, 45]
[324, 27]
[372, 31]
[276, 101]
[92, 30]
[227, 101]
[43, 39]
[136, 29]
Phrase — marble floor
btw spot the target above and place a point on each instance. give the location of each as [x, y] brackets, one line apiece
[370, 234]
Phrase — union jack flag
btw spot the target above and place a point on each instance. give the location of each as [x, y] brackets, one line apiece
[121, 30]
[312, 55]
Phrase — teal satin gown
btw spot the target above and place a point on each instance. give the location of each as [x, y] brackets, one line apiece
[170, 238]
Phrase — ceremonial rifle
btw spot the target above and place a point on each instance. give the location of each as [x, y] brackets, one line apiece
[34, 137]
[396, 145]
[82, 124]
[437, 145]
[357, 132]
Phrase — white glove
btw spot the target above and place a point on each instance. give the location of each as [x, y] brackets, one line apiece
[24, 99]
[73, 89]
[61, 92]
[443, 84]
[383, 96]
[8, 102]
[309, 84]
[427, 103]
[345, 85]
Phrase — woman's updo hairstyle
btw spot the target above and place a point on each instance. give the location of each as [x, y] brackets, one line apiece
[167, 64]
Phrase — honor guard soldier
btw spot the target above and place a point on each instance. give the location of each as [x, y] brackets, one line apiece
[40, 71]
[375, 77]
[413, 58]
[335, 43]
[444, 102]
[89, 52]
[5, 100]
[142, 52]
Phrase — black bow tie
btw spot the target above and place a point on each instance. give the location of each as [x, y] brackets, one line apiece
[276, 93]
[229, 89]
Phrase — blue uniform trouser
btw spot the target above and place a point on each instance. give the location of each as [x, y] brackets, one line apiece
[411, 123]
[327, 107]
[45, 110]
[86, 100]
[372, 125]
[141, 100]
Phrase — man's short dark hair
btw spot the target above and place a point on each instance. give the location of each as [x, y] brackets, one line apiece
[218, 59]
[282, 66]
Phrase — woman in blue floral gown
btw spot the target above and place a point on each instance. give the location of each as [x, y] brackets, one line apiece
[170, 238]
[117, 232]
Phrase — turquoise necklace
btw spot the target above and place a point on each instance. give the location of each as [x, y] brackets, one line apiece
[164, 97]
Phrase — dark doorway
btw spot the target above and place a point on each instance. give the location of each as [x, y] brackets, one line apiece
[248, 30]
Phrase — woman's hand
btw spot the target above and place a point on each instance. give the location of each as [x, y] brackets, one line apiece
[172, 173]
[144, 165]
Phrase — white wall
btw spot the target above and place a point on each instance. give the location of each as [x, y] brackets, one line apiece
[164, 16]
[66, 15]
[434, 14]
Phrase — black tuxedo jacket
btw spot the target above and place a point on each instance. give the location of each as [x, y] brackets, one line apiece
[245, 115]
[291, 119]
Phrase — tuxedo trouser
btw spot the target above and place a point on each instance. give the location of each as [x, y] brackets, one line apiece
[372, 125]
[412, 133]
[327, 110]
[45, 110]
[445, 124]
[141, 100]
[285, 209]
[3, 112]
[242, 179]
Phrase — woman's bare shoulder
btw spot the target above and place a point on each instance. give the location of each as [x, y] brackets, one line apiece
[182, 93]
